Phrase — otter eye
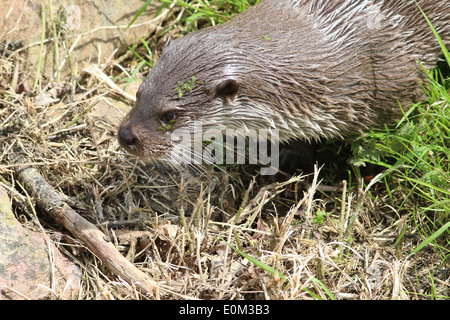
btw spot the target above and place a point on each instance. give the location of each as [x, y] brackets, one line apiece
[168, 117]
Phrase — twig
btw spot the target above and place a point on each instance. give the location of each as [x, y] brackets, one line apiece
[50, 202]
[95, 71]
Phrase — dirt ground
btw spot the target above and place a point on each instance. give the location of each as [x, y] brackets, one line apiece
[324, 239]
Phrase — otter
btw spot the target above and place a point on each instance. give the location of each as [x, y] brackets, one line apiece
[309, 69]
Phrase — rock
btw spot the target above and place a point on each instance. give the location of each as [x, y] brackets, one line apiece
[97, 28]
[30, 262]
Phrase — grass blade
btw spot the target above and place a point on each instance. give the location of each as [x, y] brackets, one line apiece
[271, 270]
[328, 292]
[431, 238]
[441, 43]
[256, 262]
[136, 16]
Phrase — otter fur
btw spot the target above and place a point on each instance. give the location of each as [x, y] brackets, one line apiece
[310, 69]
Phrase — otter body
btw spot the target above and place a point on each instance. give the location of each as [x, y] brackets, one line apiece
[310, 69]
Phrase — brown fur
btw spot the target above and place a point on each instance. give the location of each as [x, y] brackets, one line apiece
[311, 69]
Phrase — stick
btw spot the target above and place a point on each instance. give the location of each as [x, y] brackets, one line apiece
[50, 202]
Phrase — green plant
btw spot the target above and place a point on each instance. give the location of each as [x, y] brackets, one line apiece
[188, 85]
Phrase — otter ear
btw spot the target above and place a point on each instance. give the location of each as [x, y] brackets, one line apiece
[228, 90]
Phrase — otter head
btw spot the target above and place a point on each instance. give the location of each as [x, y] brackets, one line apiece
[185, 87]
[231, 77]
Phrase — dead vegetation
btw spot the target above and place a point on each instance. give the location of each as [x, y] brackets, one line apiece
[324, 241]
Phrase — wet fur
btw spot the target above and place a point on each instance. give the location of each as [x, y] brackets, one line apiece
[310, 69]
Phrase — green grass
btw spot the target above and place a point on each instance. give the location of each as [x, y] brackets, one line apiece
[201, 12]
[415, 154]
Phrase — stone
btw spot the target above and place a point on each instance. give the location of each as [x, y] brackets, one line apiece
[95, 31]
[31, 267]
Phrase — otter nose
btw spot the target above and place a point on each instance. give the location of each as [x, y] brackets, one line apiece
[127, 137]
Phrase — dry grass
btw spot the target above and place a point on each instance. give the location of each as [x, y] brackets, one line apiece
[328, 241]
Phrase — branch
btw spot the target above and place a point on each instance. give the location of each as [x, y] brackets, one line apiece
[50, 202]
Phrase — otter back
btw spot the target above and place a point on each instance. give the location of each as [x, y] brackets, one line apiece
[309, 69]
